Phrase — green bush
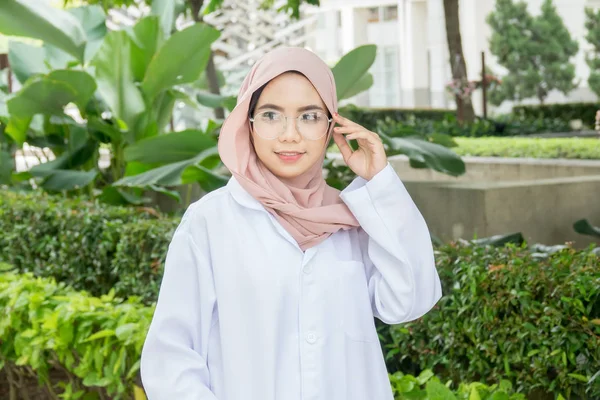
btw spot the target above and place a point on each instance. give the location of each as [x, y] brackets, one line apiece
[406, 122]
[574, 148]
[95, 343]
[428, 387]
[586, 112]
[89, 245]
[368, 117]
[507, 314]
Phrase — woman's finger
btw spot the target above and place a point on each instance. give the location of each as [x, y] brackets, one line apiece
[362, 134]
[343, 145]
[346, 129]
[343, 121]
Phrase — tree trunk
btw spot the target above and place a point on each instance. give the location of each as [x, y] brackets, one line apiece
[211, 70]
[457, 58]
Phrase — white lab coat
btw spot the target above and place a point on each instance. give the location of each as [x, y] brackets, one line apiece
[244, 314]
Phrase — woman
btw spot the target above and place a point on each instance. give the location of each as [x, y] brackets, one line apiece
[271, 283]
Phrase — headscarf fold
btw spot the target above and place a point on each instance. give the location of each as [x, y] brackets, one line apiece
[308, 208]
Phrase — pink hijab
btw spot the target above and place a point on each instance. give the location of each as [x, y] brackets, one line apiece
[308, 208]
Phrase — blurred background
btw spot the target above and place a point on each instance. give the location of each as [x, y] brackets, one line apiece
[110, 112]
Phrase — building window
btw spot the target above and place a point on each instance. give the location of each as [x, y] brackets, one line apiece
[385, 71]
[390, 13]
[373, 14]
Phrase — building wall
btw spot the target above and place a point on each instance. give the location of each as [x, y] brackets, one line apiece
[415, 45]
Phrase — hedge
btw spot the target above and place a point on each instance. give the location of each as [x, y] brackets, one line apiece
[89, 245]
[508, 314]
[572, 148]
[368, 117]
[586, 112]
[95, 343]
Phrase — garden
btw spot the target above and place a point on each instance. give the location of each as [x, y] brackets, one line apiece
[83, 244]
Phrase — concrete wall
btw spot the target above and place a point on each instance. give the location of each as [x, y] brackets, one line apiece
[540, 198]
[496, 169]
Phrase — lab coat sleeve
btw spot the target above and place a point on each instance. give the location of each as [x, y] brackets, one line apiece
[174, 355]
[396, 247]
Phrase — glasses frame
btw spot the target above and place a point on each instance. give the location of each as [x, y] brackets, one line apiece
[329, 120]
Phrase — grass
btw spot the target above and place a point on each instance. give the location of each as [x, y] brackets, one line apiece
[574, 148]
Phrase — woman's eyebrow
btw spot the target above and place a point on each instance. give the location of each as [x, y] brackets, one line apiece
[311, 107]
[300, 109]
[271, 106]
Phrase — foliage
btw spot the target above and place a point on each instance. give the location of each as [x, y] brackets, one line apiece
[536, 51]
[573, 148]
[592, 24]
[368, 117]
[116, 88]
[90, 245]
[586, 112]
[47, 326]
[508, 314]
[426, 386]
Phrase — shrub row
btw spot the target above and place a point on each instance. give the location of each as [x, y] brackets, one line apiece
[368, 117]
[573, 148]
[507, 313]
[89, 245]
[406, 122]
[96, 343]
[586, 112]
[93, 343]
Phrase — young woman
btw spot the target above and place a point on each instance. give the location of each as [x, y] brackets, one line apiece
[272, 282]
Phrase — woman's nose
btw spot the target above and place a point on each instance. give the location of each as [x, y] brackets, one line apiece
[290, 134]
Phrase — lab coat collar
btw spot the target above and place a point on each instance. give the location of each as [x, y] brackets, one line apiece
[245, 199]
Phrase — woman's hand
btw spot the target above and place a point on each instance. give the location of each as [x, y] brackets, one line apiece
[369, 159]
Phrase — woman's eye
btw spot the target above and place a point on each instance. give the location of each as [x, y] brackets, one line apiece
[310, 116]
[270, 116]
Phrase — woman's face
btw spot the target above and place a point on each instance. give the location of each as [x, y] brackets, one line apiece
[290, 154]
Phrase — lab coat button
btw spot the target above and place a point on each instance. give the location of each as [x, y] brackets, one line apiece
[311, 337]
[308, 269]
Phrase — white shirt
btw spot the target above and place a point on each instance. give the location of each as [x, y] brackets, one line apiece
[244, 314]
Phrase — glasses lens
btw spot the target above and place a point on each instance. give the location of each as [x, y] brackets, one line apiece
[269, 124]
[313, 125]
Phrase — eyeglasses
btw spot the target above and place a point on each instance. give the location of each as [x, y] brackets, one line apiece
[311, 125]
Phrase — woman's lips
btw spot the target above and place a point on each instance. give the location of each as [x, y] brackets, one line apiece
[289, 156]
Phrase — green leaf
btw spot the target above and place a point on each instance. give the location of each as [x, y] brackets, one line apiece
[500, 240]
[170, 147]
[207, 179]
[212, 100]
[39, 20]
[123, 332]
[579, 377]
[180, 60]
[423, 154]
[424, 376]
[26, 60]
[362, 84]
[584, 227]
[437, 391]
[146, 37]
[351, 69]
[114, 77]
[100, 335]
[68, 180]
[51, 93]
[167, 175]
[165, 10]
[93, 20]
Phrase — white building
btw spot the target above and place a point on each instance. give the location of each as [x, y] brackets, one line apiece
[412, 67]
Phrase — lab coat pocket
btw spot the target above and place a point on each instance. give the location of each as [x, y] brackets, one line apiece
[357, 314]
